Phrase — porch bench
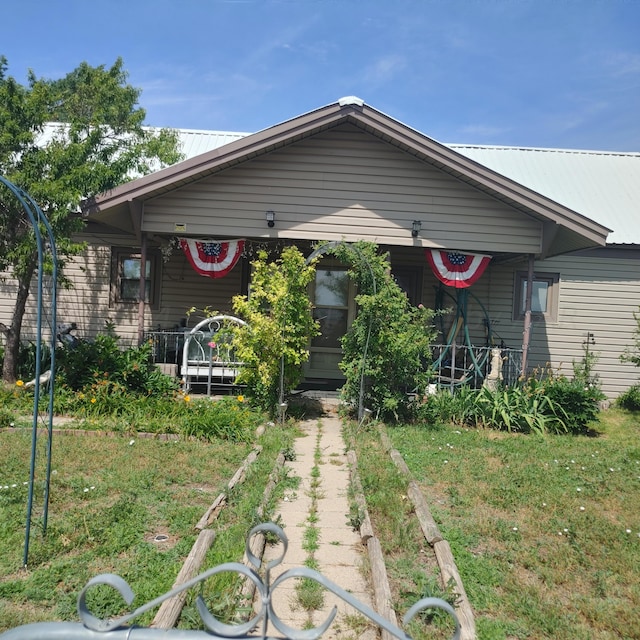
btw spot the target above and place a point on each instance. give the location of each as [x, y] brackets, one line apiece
[207, 355]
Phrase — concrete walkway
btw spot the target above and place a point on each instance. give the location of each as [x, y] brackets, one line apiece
[321, 502]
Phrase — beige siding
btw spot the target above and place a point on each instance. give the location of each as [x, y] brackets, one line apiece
[87, 302]
[596, 295]
[344, 184]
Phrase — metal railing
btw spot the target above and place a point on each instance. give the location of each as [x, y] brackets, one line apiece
[167, 345]
[460, 365]
[264, 617]
[453, 365]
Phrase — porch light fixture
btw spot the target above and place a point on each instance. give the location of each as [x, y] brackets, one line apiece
[416, 225]
[271, 218]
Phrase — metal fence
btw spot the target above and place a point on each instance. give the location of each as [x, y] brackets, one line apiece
[460, 365]
[453, 365]
[167, 345]
[261, 625]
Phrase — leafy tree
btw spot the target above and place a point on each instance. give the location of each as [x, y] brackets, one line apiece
[100, 143]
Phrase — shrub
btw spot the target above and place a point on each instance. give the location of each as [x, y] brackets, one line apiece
[84, 365]
[275, 344]
[630, 399]
[578, 402]
[388, 346]
[26, 368]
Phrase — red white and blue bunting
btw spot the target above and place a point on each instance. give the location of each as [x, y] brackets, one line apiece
[212, 258]
[457, 269]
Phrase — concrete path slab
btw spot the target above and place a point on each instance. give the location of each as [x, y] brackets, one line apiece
[321, 502]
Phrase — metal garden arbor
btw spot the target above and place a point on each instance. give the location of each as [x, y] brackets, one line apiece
[47, 243]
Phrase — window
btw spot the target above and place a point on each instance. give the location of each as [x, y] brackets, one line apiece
[544, 296]
[125, 276]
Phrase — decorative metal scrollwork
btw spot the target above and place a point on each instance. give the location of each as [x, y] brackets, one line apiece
[264, 615]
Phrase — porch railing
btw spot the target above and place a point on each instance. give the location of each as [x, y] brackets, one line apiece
[453, 365]
[167, 345]
[460, 365]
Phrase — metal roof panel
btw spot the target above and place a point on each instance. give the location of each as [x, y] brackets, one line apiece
[604, 186]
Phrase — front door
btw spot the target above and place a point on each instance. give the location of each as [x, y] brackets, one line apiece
[332, 295]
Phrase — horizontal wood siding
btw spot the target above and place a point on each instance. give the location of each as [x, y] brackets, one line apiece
[599, 296]
[596, 295]
[344, 184]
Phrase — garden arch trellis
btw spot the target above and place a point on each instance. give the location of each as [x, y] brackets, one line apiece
[328, 248]
[39, 220]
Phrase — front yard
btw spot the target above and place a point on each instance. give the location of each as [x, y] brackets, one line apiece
[545, 531]
[120, 504]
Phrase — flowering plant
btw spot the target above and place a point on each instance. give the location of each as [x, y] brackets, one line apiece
[212, 344]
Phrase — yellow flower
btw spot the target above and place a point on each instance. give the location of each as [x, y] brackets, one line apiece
[81, 396]
[187, 398]
[19, 383]
[240, 398]
[93, 400]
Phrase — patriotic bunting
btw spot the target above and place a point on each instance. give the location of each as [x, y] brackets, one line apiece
[212, 258]
[456, 269]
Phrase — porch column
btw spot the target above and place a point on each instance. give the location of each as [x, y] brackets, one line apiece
[526, 334]
[142, 287]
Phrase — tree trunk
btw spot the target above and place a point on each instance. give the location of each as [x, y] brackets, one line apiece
[13, 332]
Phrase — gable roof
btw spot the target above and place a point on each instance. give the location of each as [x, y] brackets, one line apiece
[583, 232]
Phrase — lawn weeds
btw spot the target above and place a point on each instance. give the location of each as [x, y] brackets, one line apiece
[121, 504]
[545, 530]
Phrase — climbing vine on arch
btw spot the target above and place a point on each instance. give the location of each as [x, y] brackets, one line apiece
[394, 336]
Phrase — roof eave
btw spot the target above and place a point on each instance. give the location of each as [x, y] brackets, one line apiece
[373, 121]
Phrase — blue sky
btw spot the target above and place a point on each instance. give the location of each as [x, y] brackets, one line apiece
[541, 73]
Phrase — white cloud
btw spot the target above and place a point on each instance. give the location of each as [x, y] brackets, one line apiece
[624, 63]
[384, 69]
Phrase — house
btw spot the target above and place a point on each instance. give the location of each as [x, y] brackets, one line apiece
[561, 225]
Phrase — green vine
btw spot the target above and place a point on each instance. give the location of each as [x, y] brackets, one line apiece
[388, 346]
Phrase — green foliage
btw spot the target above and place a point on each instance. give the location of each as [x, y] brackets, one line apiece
[100, 142]
[280, 326]
[389, 341]
[632, 354]
[571, 398]
[630, 399]
[26, 365]
[109, 497]
[551, 404]
[522, 514]
[524, 408]
[229, 418]
[101, 367]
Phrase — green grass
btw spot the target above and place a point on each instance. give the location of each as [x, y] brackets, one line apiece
[109, 497]
[545, 531]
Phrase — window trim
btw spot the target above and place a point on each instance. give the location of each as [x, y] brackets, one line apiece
[118, 255]
[553, 295]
